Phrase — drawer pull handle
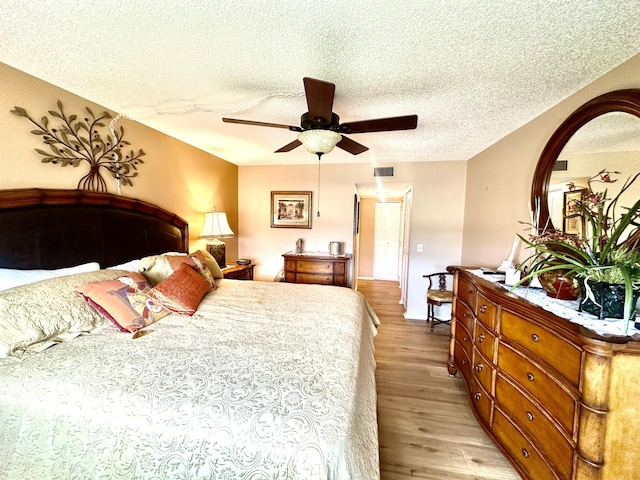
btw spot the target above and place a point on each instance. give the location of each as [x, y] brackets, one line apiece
[535, 337]
[481, 338]
[525, 454]
[479, 367]
[465, 315]
[477, 396]
[530, 416]
[464, 362]
[469, 291]
[530, 377]
[483, 309]
[465, 338]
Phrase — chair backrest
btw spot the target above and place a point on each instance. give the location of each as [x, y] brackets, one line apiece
[444, 280]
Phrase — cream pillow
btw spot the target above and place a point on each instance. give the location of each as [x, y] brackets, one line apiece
[45, 311]
[158, 267]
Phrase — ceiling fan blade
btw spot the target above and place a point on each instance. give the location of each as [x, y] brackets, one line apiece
[350, 146]
[289, 146]
[319, 99]
[406, 122]
[262, 124]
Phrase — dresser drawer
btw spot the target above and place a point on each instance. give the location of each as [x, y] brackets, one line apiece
[463, 363]
[519, 408]
[464, 338]
[484, 371]
[467, 292]
[464, 314]
[557, 401]
[549, 347]
[306, 266]
[482, 402]
[487, 312]
[520, 449]
[485, 341]
[314, 278]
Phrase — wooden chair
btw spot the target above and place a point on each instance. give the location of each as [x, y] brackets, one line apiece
[438, 295]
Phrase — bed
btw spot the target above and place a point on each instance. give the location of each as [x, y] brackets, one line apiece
[265, 380]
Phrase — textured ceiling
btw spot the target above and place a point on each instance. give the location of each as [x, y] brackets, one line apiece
[473, 71]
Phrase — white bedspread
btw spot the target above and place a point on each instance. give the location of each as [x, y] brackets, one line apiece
[265, 381]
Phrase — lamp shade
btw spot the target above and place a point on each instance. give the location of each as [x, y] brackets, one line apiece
[216, 226]
[319, 140]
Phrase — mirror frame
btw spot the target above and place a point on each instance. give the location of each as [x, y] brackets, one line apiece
[627, 101]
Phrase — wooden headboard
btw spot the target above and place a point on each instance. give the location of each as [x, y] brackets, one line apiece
[49, 228]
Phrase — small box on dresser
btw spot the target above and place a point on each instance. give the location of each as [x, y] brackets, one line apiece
[560, 401]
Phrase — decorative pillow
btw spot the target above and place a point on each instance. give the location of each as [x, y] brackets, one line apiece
[159, 267]
[10, 277]
[214, 268]
[36, 314]
[121, 301]
[182, 291]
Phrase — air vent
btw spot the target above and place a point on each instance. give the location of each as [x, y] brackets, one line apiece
[561, 166]
[384, 171]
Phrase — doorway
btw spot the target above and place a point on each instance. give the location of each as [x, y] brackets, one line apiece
[386, 250]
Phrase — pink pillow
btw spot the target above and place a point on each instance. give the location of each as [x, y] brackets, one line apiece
[182, 291]
[124, 301]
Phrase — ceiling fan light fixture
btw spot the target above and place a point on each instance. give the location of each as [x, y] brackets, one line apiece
[319, 140]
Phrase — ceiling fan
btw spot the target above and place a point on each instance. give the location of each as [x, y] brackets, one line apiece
[320, 129]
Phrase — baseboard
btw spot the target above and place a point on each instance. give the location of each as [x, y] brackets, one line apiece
[408, 316]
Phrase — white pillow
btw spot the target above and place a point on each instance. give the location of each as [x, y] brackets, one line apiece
[11, 277]
[130, 266]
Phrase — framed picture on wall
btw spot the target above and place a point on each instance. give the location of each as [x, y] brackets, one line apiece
[573, 221]
[291, 209]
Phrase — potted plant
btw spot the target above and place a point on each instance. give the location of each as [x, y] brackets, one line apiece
[599, 257]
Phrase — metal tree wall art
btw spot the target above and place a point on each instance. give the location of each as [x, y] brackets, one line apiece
[75, 140]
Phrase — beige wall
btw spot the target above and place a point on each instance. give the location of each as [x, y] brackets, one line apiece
[175, 176]
[499, 179]
[367, 235]
[436, 218]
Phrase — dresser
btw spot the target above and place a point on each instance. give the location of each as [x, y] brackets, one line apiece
[318, 268]
[560, 401]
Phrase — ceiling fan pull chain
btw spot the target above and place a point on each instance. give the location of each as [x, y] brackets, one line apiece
[319, 155]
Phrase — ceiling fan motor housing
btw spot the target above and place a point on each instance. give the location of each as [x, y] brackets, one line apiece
[308, 123]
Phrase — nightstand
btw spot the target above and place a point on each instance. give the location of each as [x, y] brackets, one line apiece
[239, 272]
[317, 267]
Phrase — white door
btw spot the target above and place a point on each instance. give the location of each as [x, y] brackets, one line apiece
[386, 243]
[404, 271]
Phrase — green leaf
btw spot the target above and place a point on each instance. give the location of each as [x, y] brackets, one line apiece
[21, 112]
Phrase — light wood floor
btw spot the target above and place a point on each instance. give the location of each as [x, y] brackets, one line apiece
[426, 427]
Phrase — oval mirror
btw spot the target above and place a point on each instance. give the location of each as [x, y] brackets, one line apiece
[602, 134]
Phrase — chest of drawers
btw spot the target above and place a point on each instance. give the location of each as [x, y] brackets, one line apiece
[558, 400]
[320, 269]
